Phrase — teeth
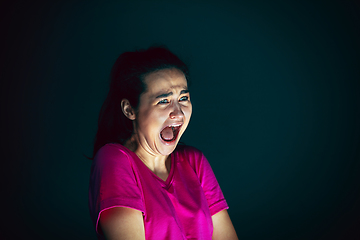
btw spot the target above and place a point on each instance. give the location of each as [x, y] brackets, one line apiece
[175, 125]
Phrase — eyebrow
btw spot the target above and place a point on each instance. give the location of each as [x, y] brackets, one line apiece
[164, 95]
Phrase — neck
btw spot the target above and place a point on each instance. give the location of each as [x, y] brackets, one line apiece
[160, 165]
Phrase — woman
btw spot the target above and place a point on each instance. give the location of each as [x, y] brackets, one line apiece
[143, 185]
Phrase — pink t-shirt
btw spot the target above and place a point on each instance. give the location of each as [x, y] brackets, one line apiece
[178, 208]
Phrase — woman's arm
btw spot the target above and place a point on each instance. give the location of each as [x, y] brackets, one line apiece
[223, 227]
[121, 223]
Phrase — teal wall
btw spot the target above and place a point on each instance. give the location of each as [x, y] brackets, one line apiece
[276, 108]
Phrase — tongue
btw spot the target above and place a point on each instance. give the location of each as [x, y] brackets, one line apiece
[167, 133]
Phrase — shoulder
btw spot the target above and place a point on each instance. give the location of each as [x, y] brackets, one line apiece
[192, 155]
[189, 151]
[199, 164]
[112, 148]
[112, 152]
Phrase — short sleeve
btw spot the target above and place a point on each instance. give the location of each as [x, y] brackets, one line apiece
[113, 182]
[208, 181]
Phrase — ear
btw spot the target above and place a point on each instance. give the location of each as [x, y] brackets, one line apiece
[127, 109]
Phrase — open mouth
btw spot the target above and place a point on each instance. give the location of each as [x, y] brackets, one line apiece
[170, 133]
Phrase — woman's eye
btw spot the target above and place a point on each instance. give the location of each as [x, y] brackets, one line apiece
[184, 98]
[164, 101]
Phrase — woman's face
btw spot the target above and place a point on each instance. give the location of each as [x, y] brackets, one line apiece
[163, 113]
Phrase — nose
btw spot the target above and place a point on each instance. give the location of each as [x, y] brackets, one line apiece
[176, 112]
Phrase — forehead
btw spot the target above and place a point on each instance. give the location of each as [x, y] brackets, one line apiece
[165, 80]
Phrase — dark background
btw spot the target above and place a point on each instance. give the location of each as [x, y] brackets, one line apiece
[276, 108]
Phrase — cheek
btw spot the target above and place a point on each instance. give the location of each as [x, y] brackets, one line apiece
[188, 112]
[144, 120]
[151, 120]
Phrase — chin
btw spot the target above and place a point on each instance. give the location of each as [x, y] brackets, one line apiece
[166, 148]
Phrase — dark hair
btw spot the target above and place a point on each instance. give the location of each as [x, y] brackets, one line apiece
[127, 81]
